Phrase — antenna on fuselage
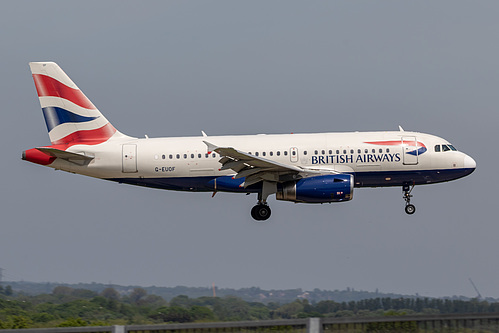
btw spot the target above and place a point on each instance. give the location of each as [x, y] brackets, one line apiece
[401, 129]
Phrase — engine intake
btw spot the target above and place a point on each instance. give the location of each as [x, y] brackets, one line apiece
[319, 189]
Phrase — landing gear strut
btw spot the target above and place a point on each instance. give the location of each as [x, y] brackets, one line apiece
[261, 211]
[409, 208]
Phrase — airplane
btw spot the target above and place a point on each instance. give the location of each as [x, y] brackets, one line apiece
[300, 168]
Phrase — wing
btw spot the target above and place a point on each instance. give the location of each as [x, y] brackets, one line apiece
[255, 168]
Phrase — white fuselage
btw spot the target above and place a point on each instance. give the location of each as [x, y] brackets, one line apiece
[183, 163]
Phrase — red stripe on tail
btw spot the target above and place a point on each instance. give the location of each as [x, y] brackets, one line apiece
[47, 86]
[87, 137]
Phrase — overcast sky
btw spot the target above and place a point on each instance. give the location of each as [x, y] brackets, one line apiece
[174, 68]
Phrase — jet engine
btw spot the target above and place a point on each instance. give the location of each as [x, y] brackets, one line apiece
[319, 189]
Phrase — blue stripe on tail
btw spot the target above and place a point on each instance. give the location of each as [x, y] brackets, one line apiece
[55, 116]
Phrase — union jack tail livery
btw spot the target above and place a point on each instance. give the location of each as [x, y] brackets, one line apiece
[70, 116]
[301, 168]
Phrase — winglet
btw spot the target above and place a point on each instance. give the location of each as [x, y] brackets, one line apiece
[211, 147]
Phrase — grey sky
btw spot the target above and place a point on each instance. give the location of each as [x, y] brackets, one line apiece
[174, 68]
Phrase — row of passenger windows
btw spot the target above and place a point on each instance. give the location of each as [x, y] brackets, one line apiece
[278, 153]
[351, 151]
[185, 156]
[323, 152]
[439, 148]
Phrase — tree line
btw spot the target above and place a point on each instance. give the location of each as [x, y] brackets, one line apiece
[66, 306]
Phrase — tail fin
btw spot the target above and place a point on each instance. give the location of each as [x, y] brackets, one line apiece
[70, 116]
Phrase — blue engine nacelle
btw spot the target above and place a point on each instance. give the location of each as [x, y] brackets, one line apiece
[319, 189]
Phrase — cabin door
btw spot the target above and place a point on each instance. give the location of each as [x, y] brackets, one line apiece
[129, 158]
[410, 150]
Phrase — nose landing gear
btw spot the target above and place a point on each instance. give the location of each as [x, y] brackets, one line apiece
[409, 208]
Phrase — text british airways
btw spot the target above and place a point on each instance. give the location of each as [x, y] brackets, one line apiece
[365, 158]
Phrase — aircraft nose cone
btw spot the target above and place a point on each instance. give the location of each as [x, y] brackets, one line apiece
[469, 163]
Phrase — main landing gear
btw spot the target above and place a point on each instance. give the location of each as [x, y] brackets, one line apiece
[260, 212]
[409, 208]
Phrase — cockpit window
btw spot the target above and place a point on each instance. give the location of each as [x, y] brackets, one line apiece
[446, 147]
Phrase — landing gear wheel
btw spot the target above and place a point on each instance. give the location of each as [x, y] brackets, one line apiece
[410, 209]
[260, 212]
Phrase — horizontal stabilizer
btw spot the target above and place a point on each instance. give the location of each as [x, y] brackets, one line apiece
[66, 155]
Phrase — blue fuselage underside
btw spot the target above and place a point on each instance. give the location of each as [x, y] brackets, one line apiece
[362, 179]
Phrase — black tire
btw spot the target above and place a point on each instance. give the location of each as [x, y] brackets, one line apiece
[260, 212]
[410, 209]
[254, 213]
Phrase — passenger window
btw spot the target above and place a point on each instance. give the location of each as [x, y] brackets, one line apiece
[344, 151]
[206, 155]
[373, 151]
[271, 154]
[163, 157]
[387, 150]
[437, 148]
[278, 153]
[304, 152]
[445, 148]
[185, 156]
[323, 152]
[192, 155]
[199, 155]
[316, 152]
[337, 152]
[366, 151]
[294, 153]
[170, 156]
[263, 154]
[214, 155]
[178, 156]
[285, 153]
[358, 151]
[381, 151]
[256, 153]
[330, 152]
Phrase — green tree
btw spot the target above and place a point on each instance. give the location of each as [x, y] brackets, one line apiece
[174, 314]
[73, 322]
[137, 294]
[62, 291]
[232, 309]
[110, 293]
[19, 322]
[151, 301]
[201, 313]
[180, 300]
[290, 310]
